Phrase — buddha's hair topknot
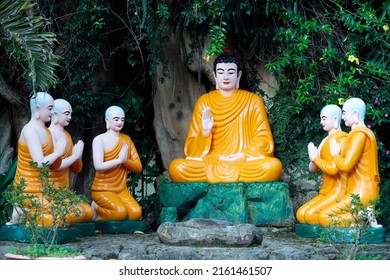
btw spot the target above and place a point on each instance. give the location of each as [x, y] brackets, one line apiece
[228, 56]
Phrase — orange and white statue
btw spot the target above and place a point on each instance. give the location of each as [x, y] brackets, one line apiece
[229, 137]
[114, 155]
[71, 159]
[35, 144]
[333, 181]
[359, 160]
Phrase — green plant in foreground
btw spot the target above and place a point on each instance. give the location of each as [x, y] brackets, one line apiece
[31, 208]
[358, 229]
[39, 250]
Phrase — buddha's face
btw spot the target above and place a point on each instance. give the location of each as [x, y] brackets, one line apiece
[226, 77]
[65, 115]
[115, 120]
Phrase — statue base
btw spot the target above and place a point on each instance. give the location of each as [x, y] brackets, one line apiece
[125, 226]
[84, 229]
[260, 203]
[308, 231]
[371, 235]
[19, 234]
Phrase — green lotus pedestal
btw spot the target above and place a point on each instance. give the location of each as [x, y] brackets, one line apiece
[261, 204]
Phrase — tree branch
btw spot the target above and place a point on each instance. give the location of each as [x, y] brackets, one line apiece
[10, 95]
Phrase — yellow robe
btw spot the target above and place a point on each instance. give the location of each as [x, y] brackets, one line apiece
[61, 178]
[31, 175]
[109, 188]
[240, 125]
[359, 160]
[333, 182]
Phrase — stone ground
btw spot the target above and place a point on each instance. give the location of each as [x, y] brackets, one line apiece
[276, 245]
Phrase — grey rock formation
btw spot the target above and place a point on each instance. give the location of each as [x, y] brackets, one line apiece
[277, 245]
[209, 232]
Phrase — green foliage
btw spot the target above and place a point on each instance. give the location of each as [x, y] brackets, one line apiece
[221, 17]
[39, 250]
[325, 53]
[5, 180]
[109, 50]
[384, 202]
[31, 208]
[368, 257]
[29, 43]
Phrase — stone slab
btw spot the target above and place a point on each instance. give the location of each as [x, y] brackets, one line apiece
[125, 226]
[209, 232]
[342, 235]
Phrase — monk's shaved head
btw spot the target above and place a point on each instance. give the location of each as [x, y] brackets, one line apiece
[39, 100]
[356, 105]
[113, 110]
[60, 104]
[332, 111]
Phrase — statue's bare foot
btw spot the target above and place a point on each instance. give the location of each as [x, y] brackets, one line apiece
[14, 219]
[94, 207]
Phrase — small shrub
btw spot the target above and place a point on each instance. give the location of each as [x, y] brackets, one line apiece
[30, 207]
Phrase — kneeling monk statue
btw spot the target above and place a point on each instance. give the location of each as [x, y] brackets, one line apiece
[71, 159]
[333, 180]
[114, 154]
[229, 137]
[359, 160]
[36, 144]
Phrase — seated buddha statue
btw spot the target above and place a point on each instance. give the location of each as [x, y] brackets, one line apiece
[229, 137]
[359, 160]
[71, 159]
[114, 155]
[333, 181]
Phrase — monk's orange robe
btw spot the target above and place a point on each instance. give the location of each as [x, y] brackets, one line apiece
[61, 178]
[31, 174]
[109, 188]
[333, 182]
[359, 160]
[240, 125]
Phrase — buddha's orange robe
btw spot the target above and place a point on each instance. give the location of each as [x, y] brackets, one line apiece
[109, 188]
[61, 178]
[240, 125]
[333, 182]
[359, 160]
[31, 174]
